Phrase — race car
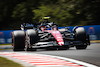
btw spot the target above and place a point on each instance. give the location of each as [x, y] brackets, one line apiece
[47, 35]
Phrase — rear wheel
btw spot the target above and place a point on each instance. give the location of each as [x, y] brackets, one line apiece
[18, 40]
[80, 35]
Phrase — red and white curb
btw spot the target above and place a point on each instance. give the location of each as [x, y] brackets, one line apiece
[40, 60]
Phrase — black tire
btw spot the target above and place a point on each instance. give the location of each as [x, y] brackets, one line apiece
[18, 40]
[80, 34]
[32, 36]
[81, 47]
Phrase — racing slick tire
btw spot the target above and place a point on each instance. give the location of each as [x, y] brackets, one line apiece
[80, 35]
[31, 39]
[18, 40]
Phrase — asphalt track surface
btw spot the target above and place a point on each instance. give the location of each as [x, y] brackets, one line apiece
[90, 55]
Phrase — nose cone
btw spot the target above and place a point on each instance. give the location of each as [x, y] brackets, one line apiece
[57, 35]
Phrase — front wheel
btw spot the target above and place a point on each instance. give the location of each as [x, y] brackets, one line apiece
[81, 47]
[31, 39]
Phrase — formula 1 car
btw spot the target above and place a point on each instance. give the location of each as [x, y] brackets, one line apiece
[46, 34]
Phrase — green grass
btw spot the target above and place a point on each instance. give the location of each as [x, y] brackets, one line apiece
[5, 49]
[8, 63]
[5, 44]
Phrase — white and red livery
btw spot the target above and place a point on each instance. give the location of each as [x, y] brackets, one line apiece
[47, 35]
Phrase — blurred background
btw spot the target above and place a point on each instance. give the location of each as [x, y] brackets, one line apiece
[64, 12]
